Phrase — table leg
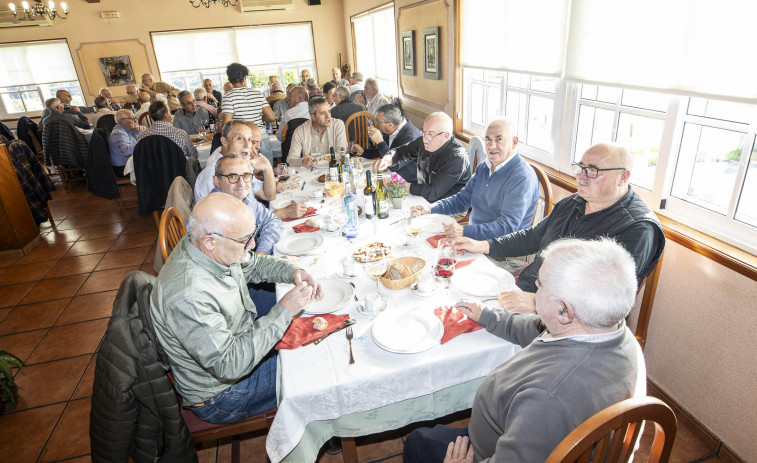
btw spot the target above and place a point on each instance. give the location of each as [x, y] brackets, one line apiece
[349, 450]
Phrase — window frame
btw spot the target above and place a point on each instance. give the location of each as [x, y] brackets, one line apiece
[381, 80]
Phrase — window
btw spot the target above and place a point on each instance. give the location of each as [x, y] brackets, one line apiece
[187, 58]
[376, 48]
[32, 73]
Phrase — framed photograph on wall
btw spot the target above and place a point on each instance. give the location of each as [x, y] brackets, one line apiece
[408, 53]
[117, 71]
[431, 66]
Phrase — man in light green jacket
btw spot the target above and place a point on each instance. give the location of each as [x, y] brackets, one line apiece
[219, 349]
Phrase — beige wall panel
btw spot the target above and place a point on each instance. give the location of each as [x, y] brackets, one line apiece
[702, 345]
[90, 53]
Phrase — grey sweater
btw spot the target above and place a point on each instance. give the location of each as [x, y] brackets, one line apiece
[526, 406]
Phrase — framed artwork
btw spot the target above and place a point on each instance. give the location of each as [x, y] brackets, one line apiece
[408, 53]
[117, 71]
[431, 66]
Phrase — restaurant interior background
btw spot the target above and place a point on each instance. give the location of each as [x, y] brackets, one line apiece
[701, 341]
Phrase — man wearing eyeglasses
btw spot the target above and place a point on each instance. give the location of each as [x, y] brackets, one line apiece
[443, 167]
[123, 139]
[219, 347]
[604, 205]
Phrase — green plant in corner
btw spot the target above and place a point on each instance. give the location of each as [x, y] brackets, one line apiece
[8, 388]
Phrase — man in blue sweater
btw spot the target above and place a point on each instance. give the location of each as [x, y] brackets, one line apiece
[502, 193]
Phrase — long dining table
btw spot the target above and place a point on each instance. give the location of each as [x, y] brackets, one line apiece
[320, 394]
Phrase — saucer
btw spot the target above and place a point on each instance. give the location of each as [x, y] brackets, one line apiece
[414, 289]
[379, 309]
[345, 276]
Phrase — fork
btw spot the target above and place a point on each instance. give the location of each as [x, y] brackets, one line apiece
[349, 339]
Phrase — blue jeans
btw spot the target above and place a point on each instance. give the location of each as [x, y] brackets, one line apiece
[429, 445]
[264, 300]
[254, 394]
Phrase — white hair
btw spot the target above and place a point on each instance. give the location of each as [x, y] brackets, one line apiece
[597, 278]
[504, 123]
[196, 228]
[200, 94]
[372, 82]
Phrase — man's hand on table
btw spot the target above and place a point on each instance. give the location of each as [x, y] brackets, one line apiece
[383, 163]
[260, 163]
[453, 230]
[358, 149]
[308, 161]
[297, 298]
[420, 208]
[470, 307]
[303, 276]
[459, 451]
[517, 300]
[292, 211]
[375, 135]
[473, 246]
[280, 187]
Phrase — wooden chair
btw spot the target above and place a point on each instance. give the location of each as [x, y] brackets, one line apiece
[476, 151]
[610, 435]
[123, 184]
[546, 189]
[170, 230]
[357, 127]
[145, 119]
[647, 301]
[71, 174]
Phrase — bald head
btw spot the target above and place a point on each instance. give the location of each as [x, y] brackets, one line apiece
[298, 95]
[277, 87]
[441, 120]
[143, 97]
[619, 154]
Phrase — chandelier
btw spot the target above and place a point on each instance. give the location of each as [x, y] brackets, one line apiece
[38, 11]
[206, 3]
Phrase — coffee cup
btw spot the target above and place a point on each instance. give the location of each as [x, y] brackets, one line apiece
[425, 282]
[372, 303]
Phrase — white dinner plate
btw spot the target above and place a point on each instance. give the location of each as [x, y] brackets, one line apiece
[317, 182]
[299, 244]
[280, 202]
[482, 282]
[434, 223]
[405, 332]
[336, 293]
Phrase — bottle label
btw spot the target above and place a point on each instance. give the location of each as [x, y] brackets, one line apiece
[369, 206]
[333, 172]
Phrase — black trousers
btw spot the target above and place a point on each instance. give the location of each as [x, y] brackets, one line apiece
[429, 445]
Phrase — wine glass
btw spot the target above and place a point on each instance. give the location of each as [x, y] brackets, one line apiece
[413, 226]
[315, 154]
[376, 266]
[357, 167]
[339, 218]
[282, 175]
[446, 259]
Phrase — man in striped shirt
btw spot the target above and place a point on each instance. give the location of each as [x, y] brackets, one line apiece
[247, 104]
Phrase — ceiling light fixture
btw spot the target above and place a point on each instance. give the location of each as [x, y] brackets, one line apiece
[206, 3]
[38, 11]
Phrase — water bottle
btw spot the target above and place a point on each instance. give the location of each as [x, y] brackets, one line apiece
[349, 202]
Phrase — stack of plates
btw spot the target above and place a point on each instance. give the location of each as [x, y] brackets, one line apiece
[482, 281]
[299, 244]
[405, 332]
[336, 293]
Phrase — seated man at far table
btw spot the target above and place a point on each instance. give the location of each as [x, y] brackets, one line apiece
[201, 100]
[578, 358]
[162, 126]
[190, 118]
[443, 167]
[343, 107]
[123, 139]
[502, 193]
[605, 205]
[297, 101]
[391, 131]
[55, 108]
[219, 349]
[319, 134]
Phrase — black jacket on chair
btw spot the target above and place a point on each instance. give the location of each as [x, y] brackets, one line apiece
[135, 411]
[107, 123]
[22, 130]
[101, 180]
[64, 145]
[157, 161]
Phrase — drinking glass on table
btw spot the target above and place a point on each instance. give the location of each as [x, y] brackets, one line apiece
[446, 259]
[282, 175]
[376, 266]
[413, 226]
[315, 154]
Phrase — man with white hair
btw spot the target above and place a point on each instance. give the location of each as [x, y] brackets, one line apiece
[443, 167]
[219, 348]
[502, 193]
[153, 88]
[373, 99]
[102, 107]
[343, 107]
[112, 103]
[604, 205]
[336, 78]
[144, 104]
[277, 93]
[356, 82]
[297, 100]
[123, 139]
[55, 110]
[578, 358]
[201, 100]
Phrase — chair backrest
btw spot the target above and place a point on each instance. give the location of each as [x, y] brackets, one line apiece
[610, 435]
[286, 141]
[157, 162]
[107, 123]
[171, 230]
[357, 127]
[145, 119]
[36, 145]
[476, 151]
[544, 206]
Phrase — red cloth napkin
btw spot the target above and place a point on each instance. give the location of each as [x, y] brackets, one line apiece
[304, 228]
[301, 330]
[463, 263]
[455, 322]
[308, 213]
[434, 240]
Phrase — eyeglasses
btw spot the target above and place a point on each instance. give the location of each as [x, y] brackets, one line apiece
[591, 172]
[133, 119]
[431, 135]
[245, 240]
[234, 178]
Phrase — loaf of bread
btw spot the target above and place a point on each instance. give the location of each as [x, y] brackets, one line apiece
[320, 323]
[398, 271]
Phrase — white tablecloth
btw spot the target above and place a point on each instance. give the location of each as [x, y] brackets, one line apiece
[317, 383]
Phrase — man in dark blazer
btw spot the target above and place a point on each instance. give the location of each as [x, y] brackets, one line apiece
[55, 107]
[392, 132]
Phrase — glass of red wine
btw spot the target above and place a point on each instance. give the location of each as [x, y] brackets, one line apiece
[446, 259]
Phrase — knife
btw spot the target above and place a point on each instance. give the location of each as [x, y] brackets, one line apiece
[345, 324]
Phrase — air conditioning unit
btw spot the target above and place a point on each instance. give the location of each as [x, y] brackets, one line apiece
[248, 6]
[8, 20]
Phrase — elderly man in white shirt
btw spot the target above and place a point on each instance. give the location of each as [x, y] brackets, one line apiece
[372, 94]
[319, 134]
[298, 104]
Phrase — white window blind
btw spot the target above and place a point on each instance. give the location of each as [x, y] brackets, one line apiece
[36, 63]
[376, 49]
[689, 46]
[217, 48]
[515, 35]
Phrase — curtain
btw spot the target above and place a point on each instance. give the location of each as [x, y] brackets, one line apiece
[36, 63]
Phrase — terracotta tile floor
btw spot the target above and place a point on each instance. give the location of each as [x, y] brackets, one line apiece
[54, 309]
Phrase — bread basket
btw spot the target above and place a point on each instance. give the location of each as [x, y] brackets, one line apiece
[405, 282]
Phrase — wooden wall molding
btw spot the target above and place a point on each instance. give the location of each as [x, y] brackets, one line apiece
[138, 66]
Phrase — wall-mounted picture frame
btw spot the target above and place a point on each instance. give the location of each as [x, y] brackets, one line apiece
[117, 71]
[408, 53]
[431, 67]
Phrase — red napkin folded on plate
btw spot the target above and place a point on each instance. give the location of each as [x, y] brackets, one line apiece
[301, 330]
[463, 263]
[434, 240]
[304, 228]
[308, 213]
[455, 323]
